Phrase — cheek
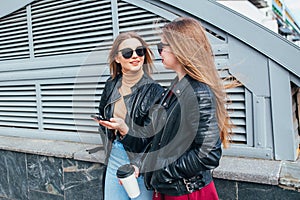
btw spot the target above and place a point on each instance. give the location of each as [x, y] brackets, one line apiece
[121, 60]
[170, 60]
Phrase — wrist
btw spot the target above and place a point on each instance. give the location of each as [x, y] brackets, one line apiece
[124, 131]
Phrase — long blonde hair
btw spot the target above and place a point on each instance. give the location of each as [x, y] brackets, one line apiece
[116, 68]
[189, 43]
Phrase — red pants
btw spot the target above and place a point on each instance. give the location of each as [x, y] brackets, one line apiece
[209, 192]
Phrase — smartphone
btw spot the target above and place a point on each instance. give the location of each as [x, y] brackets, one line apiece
[98, 117]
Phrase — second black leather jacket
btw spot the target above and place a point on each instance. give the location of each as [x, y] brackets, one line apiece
[185, 144]
[144, 95]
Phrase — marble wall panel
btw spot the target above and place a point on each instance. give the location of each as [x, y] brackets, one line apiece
[13, 181]
[83, 180]
[45, 174]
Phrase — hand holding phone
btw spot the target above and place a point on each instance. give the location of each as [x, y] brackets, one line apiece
[98, 117]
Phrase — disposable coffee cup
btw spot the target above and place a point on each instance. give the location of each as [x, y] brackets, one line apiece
[127, 177]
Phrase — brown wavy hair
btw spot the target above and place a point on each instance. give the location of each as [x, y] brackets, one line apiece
[116, 68]
[189, 43]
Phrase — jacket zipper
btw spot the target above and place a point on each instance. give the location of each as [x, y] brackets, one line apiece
[112, 111]
[166, 121]
[134, 107]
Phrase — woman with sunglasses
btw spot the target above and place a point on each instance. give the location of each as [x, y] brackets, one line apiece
[128, 95]
[192, 122]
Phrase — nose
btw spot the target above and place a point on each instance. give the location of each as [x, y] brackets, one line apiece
[134, 55]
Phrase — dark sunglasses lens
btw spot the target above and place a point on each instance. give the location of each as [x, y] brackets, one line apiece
[127, 53]
[159, 47]
[140, 51]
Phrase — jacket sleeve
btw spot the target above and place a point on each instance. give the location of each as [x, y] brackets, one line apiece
[138, 144]
[103, 102]
[138, 139]
[104, 97]
[205, 150]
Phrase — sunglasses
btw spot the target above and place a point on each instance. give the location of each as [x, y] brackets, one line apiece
[128, 52]
[160, 47]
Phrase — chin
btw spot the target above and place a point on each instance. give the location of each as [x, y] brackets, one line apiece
[136, 68]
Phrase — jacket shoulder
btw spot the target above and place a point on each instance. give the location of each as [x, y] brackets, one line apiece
[201, 88]
[149, 84]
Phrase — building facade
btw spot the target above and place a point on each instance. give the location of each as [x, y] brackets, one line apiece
[53, 67]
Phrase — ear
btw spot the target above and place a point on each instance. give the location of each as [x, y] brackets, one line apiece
[117, 59]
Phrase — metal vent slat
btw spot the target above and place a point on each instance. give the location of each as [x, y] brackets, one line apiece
[18, 124]
[73, 86]
[57, 92]
[239, 121]
[51, 105]
[17, 105]
[237, 138]
[60, 126]
[55, 107]
[71, 128]
[238, 114]
[23, 93]
[8, 108]
[237, 97]
[60, 98]
[238, 105]
[58, 110]
[239, 130]
[17, 98]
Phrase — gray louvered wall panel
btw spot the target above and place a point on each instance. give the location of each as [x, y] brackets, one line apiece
[75, 103]
[18, 106]
[237, 110]
[86, 97]
[14, 36]
[64, 27]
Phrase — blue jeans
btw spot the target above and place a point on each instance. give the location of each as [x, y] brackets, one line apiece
[113, 190]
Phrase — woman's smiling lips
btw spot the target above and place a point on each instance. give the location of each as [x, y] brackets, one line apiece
[135, 62]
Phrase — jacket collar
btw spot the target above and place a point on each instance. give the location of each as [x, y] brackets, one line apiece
[178, 87]
[117, 81]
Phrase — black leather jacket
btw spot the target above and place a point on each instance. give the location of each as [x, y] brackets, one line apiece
[186, 144]
[144, 95]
